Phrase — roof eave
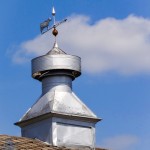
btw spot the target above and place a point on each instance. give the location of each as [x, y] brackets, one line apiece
[53, 114]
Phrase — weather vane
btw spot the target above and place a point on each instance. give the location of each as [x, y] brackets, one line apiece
[44, 26]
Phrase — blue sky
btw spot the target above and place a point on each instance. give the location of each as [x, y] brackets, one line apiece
[113, 40]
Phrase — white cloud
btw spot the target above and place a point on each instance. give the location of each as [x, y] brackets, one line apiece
[123, 142]
[121, 46]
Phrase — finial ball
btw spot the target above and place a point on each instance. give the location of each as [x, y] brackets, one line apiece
[55, 32]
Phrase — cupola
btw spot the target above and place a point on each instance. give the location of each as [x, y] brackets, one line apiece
[58, 117]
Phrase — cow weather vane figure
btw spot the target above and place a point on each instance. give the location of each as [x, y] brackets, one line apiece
[44, 26]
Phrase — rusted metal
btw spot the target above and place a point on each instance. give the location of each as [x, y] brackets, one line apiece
[55, 32]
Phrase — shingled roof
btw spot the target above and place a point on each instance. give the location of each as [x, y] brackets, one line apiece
[22, 143]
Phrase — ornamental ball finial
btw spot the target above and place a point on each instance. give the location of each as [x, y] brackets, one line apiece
[55, 32]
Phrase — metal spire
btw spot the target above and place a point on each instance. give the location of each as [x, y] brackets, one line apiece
[53, 14]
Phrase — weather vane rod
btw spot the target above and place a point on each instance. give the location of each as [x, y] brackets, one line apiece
[44, 26]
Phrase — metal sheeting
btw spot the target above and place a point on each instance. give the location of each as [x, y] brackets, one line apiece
[61, 132]
[59, 117]
[58, 97]
[53, 62]
[59, 83]
[71, 133]
[56, 50]
[75, 135]
[40, 130]
[58, 102]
